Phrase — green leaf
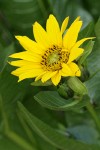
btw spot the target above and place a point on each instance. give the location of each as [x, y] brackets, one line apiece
[85, 133]
[87, 50]
[51, 135]
[4, 53]
[86, 32]
[40, 112]
[21, 142]
[6, 144]
[20, 14]
[93, 64]
[12, 91]
[42, 144]
[52, 100]
[40, 83]
[6, 37]
[97, 29]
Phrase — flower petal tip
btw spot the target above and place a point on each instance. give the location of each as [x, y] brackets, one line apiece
[35, 23]
[19, 80]
[17, 37]
[10, 63]
[51, 15]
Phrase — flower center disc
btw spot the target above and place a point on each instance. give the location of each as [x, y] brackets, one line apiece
[53, 58]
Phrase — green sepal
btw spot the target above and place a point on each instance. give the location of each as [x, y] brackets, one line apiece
[63, 90]
[77, 86]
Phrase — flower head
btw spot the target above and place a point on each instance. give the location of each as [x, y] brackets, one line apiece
[52, 54]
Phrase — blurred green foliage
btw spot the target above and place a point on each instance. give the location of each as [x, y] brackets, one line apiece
[31, 126]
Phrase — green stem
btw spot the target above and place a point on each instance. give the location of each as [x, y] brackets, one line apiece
[18, 140]
[12, 135]
[27, 129]
[93, 114]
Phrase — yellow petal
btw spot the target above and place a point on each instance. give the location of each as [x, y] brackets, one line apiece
[21, 63]
[28, 44]
[75, 69]
[74, 53]
[18, 63]
[23, 74]
[48, 75]
[80, 42]
[53, 31]
[40, 76]
[66, 71]
[77, 19]
[56, 78]
[64, 24]
[40, 35]
[27, 56]
[71, 35]
[26, 69]
[26, 75]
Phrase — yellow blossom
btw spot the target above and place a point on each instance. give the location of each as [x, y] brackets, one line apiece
[52, 54]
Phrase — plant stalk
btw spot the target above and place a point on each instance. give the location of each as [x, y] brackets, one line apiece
[94, 115]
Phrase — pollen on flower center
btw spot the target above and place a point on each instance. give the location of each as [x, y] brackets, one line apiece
[53, 58]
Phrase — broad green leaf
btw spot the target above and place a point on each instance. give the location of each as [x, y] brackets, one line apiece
[4, 53]
[93, 85]
[93, 64]
[40, 112]
[87, 50]
[86, 32]
[52, 100]
[40, 83]
[51, 135]
[11, 90]
[21, 14]
[6, 131]
[97, 30]
[6, 144]
[42, 144]
[19, 141]
[6, 37]
[85, 133]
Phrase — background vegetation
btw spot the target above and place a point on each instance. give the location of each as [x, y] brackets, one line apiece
[24, 123]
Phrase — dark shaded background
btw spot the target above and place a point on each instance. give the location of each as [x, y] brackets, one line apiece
[16, 18]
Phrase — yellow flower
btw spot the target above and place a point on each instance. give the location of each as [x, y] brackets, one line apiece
[52, 54]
